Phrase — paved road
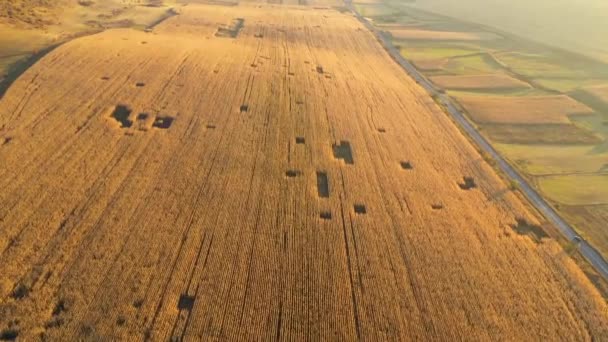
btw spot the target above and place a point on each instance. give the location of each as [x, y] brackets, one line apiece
[585, 248]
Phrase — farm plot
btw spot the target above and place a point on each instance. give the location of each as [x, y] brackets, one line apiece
[541, 134]
[422, 34]
[477, 82]
[549, 159]
[284, 181]
[523, 110]
[576, 189]
[599, 96]
[541, 66]
[601, 93]
[430, 64]
[473, 64]
[425, 52]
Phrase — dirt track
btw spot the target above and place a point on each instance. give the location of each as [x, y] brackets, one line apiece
[283, 179]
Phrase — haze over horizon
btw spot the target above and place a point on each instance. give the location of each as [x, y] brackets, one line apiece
[577, 26]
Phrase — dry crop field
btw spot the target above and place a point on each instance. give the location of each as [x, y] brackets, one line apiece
[523, 96]
[477, 82]
[261, 172]
[414, 33]
[523, 110]
[29, 28]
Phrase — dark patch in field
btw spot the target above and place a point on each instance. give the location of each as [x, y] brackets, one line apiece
[20, 291]
[300, 140]
[325, 215]
[343, 151]
[59, 307]
[360, 209]
[437, 206]
[231, 31]
[406, 165]
[163, 122]
[468, 183]
[138, 303]
[186, 302]
[244, 108]
[292, 173]
[9, 334]
[535, 232]
[322, 184]
[121, 114]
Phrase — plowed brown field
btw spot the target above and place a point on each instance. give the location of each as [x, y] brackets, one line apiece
[261, 173]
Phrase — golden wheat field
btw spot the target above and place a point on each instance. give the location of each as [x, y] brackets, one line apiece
[553, 109]
[261, 172]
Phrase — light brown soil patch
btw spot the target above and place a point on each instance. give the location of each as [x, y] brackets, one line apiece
[523, 110]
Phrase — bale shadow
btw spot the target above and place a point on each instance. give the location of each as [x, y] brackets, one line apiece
[231, 31]
[343, 151]
[535, 232]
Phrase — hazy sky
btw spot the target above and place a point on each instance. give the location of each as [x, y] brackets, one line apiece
[578, 25]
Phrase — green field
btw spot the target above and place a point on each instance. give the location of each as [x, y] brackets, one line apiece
[472, 65]
[550, 159]
[576, 189]
[431, 52]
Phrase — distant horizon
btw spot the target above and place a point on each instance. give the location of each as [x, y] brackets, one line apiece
[539, 20]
